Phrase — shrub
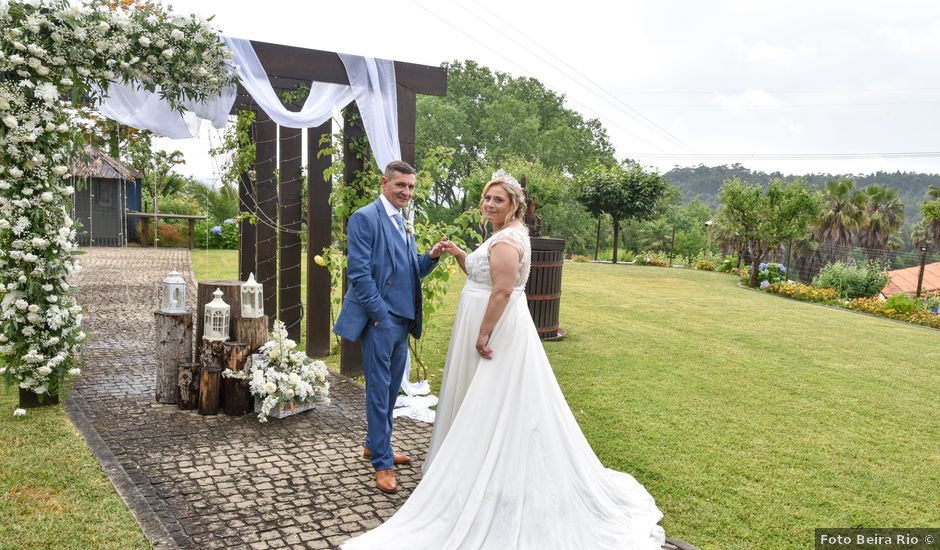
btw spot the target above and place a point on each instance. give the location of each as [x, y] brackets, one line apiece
[580, 259]
[853, 281]
[767, 274]
[902, 303]
[658, 259]
[804, 292]
[728, 264]
[223, 235]
[705, 265]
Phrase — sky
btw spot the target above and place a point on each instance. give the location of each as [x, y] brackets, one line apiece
[796, 87]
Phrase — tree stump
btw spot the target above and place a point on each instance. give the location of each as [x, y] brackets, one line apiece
[231, 295]
[174, 335]
[236, 397]
[253, 332]
[210, 384]
[30, 399]
[189, 385]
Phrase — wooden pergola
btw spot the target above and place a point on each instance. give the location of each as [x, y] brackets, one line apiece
[273, 251]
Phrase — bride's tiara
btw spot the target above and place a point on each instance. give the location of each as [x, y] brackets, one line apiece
[504, 177]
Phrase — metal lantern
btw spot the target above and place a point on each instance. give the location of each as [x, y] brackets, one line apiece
[173, 299]
[217, 318]
[252, 298]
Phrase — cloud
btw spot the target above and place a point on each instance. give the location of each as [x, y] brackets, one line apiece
[749, 98]
[763, 51]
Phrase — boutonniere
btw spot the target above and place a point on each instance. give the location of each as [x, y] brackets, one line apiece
[409, 222]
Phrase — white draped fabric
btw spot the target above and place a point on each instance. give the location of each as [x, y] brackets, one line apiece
[371, 84]
[318, 107]
[143, 109]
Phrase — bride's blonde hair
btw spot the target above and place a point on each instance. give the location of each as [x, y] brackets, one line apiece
[513, 189]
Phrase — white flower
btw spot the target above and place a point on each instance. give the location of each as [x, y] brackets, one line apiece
[14, 171]
[144, 41]
[11, 121]
[66, 81]
[19, 412]
[75, 372]
[44, 370]
[33, 308]
[60, 170]
[30, 257]
[46, 196]
[270, 387]
[17, 59]
[168, 53]
[52, 298]
[21, 304]
[177, 34]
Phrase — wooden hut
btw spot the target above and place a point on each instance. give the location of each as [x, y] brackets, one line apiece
[105, 190]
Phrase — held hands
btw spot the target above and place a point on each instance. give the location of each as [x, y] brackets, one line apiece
[444, 245]
[483, 346]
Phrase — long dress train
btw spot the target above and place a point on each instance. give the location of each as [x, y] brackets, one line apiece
[508, 466]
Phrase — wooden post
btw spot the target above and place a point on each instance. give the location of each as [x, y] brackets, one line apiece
[213, 357]
[174, 335]
[144, 231]
[189, 374]
[231, 295]
[319, 236]
[236, 397]
[290, 206]
[350, 357]
[253, 332]
[267, 221]
[923, 266]
[192, 231]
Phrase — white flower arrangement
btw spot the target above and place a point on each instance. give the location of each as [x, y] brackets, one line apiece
[282, 375]
[48, 50]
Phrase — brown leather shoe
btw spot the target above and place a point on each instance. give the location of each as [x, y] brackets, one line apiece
[385, 481]
[398, 460]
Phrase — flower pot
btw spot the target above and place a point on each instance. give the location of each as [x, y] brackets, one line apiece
[30, 400]
[283, 410]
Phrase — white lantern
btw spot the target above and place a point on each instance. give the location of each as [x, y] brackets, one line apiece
[217, 316]
[252, 299]
[173, 298]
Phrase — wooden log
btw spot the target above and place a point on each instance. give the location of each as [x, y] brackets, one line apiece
[237, 397]
[236, 355]
[231, 295]
[174, 336]
[210, 383]
[189, 374]
[253, 332]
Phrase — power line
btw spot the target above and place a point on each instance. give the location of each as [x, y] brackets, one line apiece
[630, 111]
[525, 71]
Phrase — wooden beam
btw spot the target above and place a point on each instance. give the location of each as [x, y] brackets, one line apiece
[289, 201]
[266, 226]
[407, 112]
[350, 361]
[319, 236]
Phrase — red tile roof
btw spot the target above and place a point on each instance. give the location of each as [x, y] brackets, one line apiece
[905, 280]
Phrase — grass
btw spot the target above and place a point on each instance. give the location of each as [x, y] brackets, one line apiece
[53, 494]
[752, 419]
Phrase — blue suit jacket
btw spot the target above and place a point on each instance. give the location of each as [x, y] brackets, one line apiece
[371, 271]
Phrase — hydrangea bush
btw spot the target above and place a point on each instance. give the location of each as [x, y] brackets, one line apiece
[51, 50]
[280, 374]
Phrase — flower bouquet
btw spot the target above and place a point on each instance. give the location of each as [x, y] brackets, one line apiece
[285, 381]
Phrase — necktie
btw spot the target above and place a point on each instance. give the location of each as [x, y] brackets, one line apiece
[400, 223]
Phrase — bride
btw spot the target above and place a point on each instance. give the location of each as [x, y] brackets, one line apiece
[508, 466]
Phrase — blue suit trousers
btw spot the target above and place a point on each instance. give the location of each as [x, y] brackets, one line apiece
[384, 352]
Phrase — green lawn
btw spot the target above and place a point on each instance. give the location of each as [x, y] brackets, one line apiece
[752, 419]
[53, 494]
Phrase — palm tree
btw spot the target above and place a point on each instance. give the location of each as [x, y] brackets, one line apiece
[931, 211]
[884, 215]
[843, 211]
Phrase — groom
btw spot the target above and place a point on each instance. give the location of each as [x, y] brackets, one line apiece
[382, 306]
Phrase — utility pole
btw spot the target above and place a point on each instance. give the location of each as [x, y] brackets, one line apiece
[923, 265]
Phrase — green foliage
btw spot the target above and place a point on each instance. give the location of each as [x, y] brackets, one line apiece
[237, 150]
[766, 219]
[625, 191]
[654, 258]
[853, 281]
[489, 118]
[902, 303]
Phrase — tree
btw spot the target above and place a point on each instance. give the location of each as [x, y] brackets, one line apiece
[842, 213]
[625, 191]
[765, 220]
[884, 215]
[930, 209]
[489, 118]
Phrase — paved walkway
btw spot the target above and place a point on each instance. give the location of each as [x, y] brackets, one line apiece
[217, 481]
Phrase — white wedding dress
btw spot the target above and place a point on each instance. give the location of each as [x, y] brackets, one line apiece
[508, 466]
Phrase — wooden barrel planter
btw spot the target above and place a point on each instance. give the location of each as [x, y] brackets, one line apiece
[543, 289]
[30, 400]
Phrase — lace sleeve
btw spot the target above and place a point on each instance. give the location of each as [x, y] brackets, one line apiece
[516, 237]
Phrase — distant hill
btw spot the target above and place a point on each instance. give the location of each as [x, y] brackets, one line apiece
[703, 182]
